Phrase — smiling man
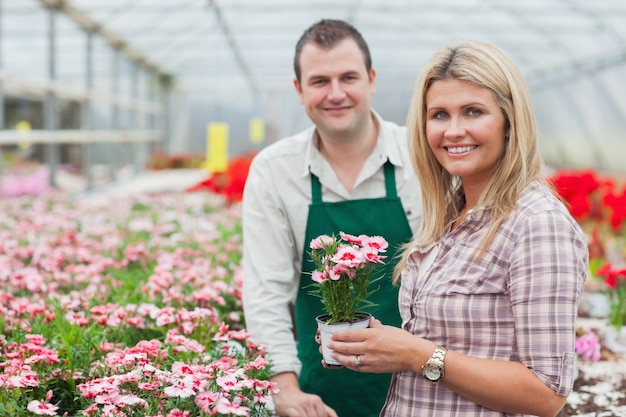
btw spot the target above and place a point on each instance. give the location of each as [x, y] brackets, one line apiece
[348, 172]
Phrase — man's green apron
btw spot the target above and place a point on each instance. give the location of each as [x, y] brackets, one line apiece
[351, 394]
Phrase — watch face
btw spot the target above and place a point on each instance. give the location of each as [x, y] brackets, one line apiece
[432, 372]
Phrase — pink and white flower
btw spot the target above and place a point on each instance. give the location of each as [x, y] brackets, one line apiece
[42, 409]
[321, 241]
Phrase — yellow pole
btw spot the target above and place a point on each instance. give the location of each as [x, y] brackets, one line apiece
[257, 130]
[217, 147]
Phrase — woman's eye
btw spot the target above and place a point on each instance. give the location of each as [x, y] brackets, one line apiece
[440, 115]
[474, 112]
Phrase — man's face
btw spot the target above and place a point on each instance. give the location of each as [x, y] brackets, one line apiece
[335, 88]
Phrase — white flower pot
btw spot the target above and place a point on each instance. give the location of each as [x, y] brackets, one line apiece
[615, 340]
[327, 329]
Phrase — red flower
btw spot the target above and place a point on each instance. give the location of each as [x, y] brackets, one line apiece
[596, 245]
[579, 206]
[570, 184]
[615, 280]
[617, 205]
[230, 183]
[611, 276]
[584, 192]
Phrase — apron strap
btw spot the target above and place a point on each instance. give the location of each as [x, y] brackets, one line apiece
[390, 180]
[390, 184]
[316, 190]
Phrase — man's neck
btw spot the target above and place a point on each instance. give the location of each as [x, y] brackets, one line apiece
[347, 157]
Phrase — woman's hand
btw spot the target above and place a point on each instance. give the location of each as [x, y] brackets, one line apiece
[379, 349]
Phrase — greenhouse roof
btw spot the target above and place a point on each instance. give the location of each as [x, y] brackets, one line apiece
[572, 52]
[252, 41]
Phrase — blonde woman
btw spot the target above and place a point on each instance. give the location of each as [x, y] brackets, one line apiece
[490, 285]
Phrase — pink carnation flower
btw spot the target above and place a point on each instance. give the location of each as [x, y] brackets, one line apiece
[348, 256]
[42, 409]
[378, 243]
[321, 241]
[318, 276]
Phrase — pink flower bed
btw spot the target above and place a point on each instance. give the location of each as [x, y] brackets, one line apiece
[31, 182]
[129, 309]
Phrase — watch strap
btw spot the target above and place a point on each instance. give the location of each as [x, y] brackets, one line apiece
[439, 355]
[436, 361]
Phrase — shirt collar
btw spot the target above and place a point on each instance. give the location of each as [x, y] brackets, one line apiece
[386, 148]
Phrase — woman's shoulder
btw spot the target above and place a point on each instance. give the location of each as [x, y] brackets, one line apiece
[539, 197]
[541, 219]
[538, 203]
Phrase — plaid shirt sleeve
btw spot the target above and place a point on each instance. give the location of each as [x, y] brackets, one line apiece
[548, 267]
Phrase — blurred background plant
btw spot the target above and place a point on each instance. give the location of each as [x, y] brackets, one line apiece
[598, 203]
[229, 183]
[615, 281]
[588, 345]
[162, 160]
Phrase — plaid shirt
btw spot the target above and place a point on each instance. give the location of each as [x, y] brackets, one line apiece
[518, 302]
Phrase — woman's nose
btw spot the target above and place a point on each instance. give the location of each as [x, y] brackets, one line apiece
[455, 129]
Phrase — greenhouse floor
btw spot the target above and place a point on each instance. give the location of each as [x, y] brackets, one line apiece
[149, 181]
[600, 388]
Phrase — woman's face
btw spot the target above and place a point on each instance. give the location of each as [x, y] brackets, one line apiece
[465, 129]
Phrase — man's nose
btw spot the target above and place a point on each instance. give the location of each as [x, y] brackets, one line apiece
[336, 91]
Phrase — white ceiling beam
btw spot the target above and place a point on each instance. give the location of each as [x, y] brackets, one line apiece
[84, 21]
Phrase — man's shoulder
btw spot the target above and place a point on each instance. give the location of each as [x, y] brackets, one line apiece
[287, 147]
[394, 139]
[393, 131]
[391, 124]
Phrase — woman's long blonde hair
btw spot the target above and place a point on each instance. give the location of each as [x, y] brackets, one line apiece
[483, 65]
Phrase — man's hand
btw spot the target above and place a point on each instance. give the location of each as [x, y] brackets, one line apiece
[292, 402]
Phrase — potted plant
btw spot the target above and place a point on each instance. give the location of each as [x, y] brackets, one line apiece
[615, 280]
[343, 280]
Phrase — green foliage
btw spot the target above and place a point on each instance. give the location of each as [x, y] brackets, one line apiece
[594, 265]
[617, 312]
[343, 298]
[126, 284]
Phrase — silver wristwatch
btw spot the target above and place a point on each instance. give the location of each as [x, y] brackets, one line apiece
[433, 368]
